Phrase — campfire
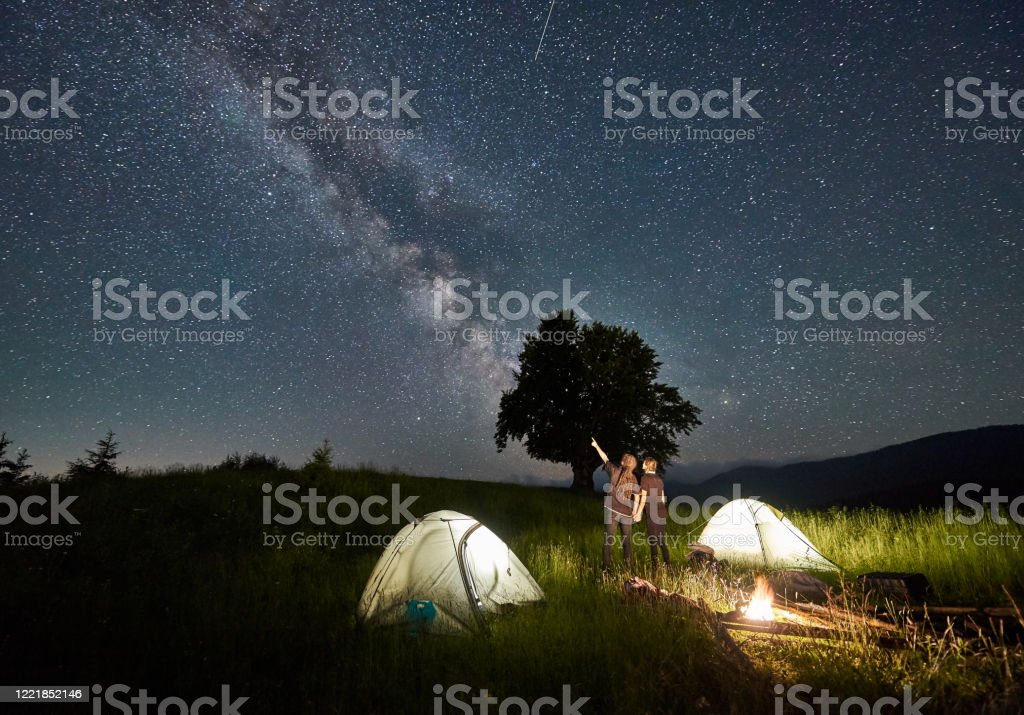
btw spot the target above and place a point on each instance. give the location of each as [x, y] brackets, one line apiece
[762, 615]
[760, 606]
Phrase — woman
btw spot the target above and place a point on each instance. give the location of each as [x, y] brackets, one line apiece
[652, 496]
[618, 509]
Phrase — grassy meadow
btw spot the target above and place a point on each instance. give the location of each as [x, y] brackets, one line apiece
[168, 586]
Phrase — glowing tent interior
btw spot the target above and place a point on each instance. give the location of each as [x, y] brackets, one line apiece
[752, 532]
[449, 570]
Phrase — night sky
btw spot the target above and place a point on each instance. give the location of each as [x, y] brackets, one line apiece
[170, 177]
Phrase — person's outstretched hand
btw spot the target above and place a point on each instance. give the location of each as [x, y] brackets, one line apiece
[593, 443]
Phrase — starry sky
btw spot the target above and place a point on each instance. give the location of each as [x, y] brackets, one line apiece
[173, 176]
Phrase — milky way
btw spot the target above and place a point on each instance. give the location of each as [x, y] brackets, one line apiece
[510, 174]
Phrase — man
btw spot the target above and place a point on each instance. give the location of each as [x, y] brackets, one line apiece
[652, 496]
[618, 505]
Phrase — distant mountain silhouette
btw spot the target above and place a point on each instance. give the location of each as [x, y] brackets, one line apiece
[902, 476]
[685, 475]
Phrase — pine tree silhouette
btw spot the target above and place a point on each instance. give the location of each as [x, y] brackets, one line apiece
[12, 470]
[98, 462]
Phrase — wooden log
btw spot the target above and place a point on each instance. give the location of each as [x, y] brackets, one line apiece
[960, 611]
[832, 613]
[736, 621]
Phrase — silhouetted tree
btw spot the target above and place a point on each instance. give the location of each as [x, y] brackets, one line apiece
[99, 462]
[252, 462]
[575, 382]
[232, 461]
[12, 470]
[321, 461]
[256, 462]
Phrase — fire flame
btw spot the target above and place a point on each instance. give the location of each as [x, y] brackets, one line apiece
[760, 606]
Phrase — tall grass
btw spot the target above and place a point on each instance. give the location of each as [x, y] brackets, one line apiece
[169, 587]
[958, 560]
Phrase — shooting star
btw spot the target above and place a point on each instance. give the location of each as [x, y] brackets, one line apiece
[544, 31]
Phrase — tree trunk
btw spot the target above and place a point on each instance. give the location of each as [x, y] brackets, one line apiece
[584, 462]
[582, 477]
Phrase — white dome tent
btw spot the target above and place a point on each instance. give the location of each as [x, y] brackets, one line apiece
[452, 561]
[752, 532]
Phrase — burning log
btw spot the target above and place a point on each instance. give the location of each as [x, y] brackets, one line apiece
[759, 607]
[766, 613]
[762, 614]
[832, 613]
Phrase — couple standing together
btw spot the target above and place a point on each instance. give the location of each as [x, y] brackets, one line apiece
[628, 501]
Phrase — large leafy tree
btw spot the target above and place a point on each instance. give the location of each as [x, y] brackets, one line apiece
[600, 382]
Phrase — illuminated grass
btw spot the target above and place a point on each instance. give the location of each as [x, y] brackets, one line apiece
[170, 588]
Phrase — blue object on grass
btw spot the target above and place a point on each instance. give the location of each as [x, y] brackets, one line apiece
[421, 615]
